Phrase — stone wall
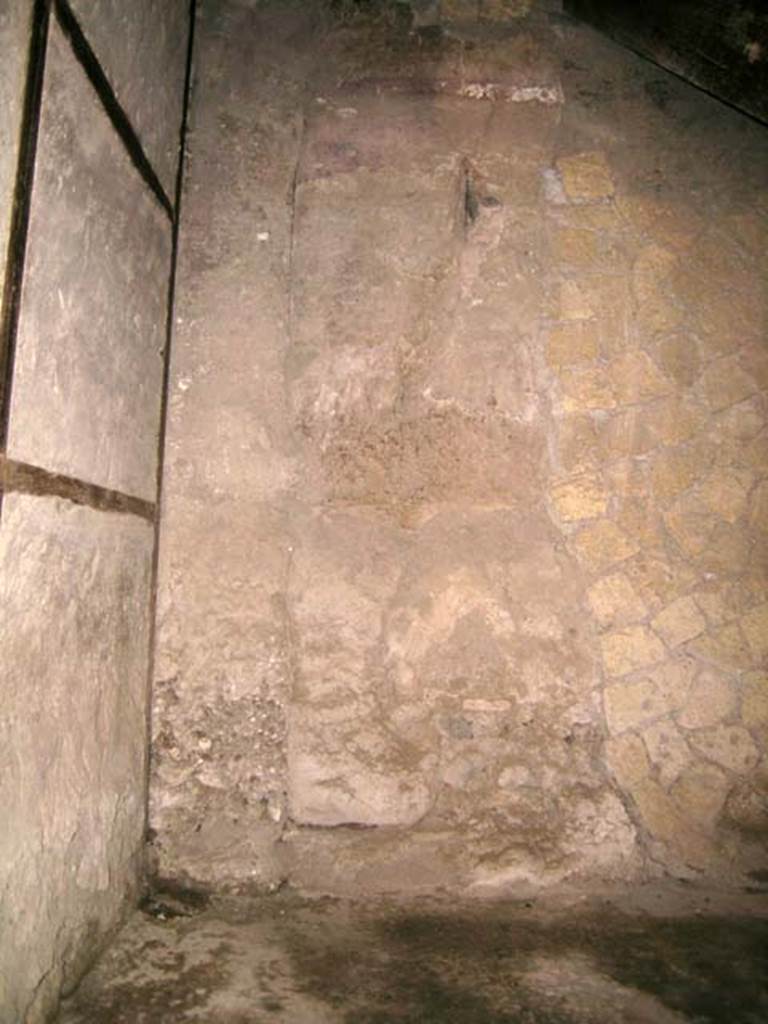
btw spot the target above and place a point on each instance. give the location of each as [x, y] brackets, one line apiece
[463, 562]
[83, 342]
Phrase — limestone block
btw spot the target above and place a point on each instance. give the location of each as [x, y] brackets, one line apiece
[674, 470]
[569, 344]
[629, 649]
[74, 632]
[700, 793]
[724, 384]
[143, 52]
[711, 700]
[725, 647]
[666, 223]
[601, 545]
[577, 444]
[668, 750]
[584, 390]
[626, 433]
[634, 377]
[754, 700]
[631, 705]
[574, 303]
[627, 759]
[679, 622]
[586, 176]
[754, 625]
[758, 513]
[688, 520]
[725, 493]
[15, 21]
[614, 601]
[93, 313]
[730, 746]
[576, 247]
[655, 310]
[742, 421]
[331, 789]
[674, 420]
[583, 497]
[678, 356]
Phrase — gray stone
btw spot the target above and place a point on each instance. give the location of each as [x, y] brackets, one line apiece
[92, 323]
[142, 48]
[74, 632]
[15, 19]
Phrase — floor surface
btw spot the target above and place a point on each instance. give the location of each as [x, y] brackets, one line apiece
[655, 955]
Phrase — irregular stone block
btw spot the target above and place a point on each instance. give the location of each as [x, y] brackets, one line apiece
[711, 699]
[679, 622]
[581, 498]
[729, 746]
[630, 649]
[586, 176]
[601, 545]
[614, 601]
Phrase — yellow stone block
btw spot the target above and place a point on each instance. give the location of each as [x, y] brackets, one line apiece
[725, 492]
[576, 247]
[679, 622]
[725, 383]
[574, 303]
[577, 444]
[755, 628]
[673, 680]
[726, 647]
[754, 700]
[614, 601]
[627, 432]
[742, 422]
[668, 750]
[631, 705]
[691, 524]
[674, 470]
[627, 759]
[572, 343]
[700, 793]
[758, 513]
[658, 579]
[679, 358]
[674, 420]
[711, 699]
[666, 223]
[586, 176]
[655, 310]
[635, 378]
[601, 545]
[586, 389]
[630, 649]
[583, 497]
[728, 745]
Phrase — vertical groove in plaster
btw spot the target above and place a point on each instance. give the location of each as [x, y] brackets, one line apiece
[17, 241]
[164, 396]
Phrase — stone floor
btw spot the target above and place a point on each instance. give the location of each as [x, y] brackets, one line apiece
[657, 955]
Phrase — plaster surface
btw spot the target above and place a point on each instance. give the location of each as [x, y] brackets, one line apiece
[74, 589]
[92, 324]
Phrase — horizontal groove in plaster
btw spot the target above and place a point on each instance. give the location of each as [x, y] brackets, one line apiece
[22, 478]
[109, 101]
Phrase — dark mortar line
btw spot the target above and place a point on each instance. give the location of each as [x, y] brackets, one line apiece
[22, 478]
[22, 202]
[109, 101]
[170, 309]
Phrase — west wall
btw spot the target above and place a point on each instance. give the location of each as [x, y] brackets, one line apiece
[463, 561]
[91, 95]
